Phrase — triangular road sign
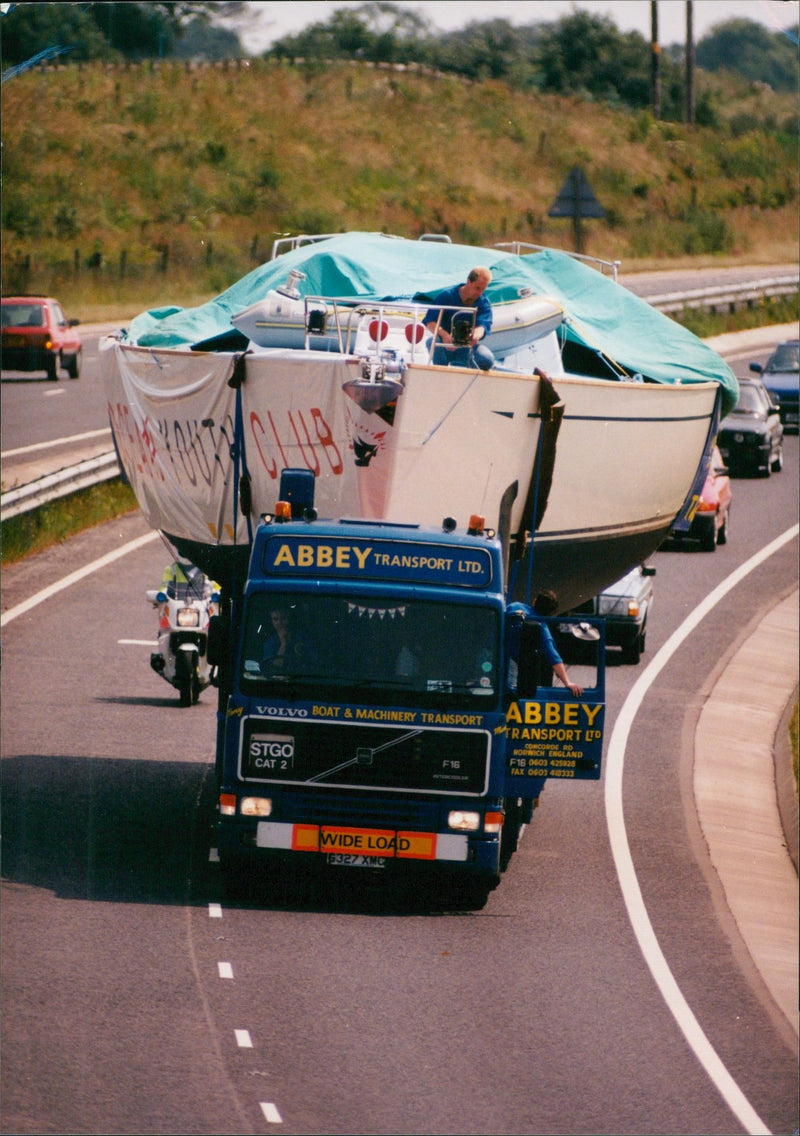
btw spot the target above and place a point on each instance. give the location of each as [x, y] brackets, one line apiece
[576, 198]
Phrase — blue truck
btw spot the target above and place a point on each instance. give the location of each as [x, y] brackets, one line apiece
[383, 706]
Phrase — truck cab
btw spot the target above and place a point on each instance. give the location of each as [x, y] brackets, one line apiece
[370, 701]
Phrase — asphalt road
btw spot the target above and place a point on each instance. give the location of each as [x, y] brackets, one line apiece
[137, 998]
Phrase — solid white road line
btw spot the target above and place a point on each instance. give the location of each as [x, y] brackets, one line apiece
[75, 577]
[626, 872]
[56, 442]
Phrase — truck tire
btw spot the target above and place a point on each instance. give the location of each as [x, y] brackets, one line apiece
[471, 894]
[512, 830]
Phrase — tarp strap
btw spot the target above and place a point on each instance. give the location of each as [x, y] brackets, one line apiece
[551, 412]
[242, 483]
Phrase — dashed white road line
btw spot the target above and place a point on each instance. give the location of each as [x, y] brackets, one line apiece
[243, 1039]
[215, 910]
[271, 1114]
[225, 970]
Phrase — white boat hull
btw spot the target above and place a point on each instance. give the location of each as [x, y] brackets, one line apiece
[451, 442]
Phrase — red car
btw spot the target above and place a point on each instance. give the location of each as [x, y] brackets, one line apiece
[710, 522]
[37, 336]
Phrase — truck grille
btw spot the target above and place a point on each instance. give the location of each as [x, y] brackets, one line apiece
[342, 755]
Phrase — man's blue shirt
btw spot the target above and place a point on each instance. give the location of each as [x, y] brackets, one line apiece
[450, 298]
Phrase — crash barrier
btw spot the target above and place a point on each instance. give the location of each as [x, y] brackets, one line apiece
[52, 486]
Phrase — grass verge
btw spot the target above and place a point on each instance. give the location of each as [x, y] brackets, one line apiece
[56, 521]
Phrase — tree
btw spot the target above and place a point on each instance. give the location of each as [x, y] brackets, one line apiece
[750, 50]
[28, 29]
[378, 31]
[103, 30]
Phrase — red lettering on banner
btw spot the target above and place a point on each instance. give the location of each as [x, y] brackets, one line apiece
[313, 465]
[326, 438]
[269, 464]
[303, 437]
[277, 439]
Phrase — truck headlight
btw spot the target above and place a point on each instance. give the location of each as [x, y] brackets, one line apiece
[463, 821]
[255, 806]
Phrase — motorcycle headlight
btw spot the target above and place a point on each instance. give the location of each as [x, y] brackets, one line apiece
[188, 617]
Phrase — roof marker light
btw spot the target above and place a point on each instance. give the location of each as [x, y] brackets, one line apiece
[283, 511]
[477, 524]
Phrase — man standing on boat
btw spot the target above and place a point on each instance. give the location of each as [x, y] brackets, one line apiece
[463, 349]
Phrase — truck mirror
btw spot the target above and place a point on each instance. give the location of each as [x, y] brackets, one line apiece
[529, 674]
[217, 642]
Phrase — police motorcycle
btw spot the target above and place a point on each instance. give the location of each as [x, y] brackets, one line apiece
[185, 602]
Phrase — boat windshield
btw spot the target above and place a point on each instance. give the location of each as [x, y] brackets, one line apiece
[355, 648]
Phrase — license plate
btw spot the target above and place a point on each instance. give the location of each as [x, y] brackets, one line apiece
[347, 860]
[15, 341]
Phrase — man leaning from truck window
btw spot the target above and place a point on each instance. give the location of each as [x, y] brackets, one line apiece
[546, 604]
[449, 349]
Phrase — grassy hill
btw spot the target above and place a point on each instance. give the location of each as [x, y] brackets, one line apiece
[136, 186]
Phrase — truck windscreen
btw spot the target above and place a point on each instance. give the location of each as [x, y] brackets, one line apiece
[365, 649]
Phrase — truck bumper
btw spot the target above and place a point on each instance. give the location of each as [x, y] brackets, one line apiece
[311, 844]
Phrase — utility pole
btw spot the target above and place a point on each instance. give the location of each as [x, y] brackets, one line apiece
[655, 61]
[689, 108]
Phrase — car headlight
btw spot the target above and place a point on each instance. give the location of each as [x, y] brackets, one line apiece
[188, 617]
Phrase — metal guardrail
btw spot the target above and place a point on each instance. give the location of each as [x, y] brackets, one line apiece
[729, 296]
[24, 498]
[52, 486]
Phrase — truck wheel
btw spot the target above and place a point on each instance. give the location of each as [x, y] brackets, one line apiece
[465, 895]
[511, 832]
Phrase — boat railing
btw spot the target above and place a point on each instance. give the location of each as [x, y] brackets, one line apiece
[517, 247]
[384, 328]
[289, 244]
[371, 328]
